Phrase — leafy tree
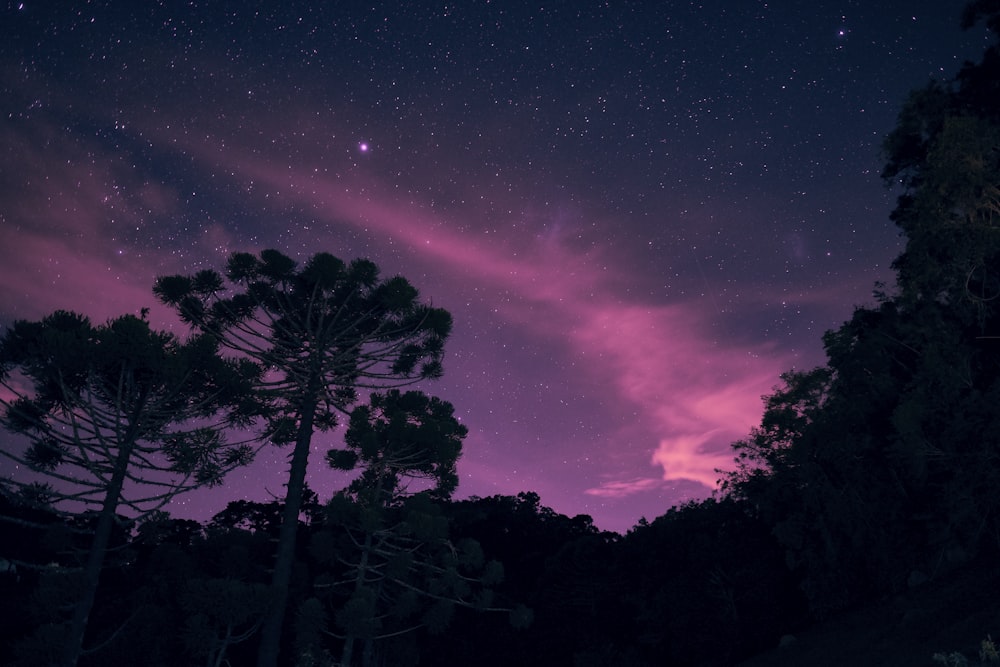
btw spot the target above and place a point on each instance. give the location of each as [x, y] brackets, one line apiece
[399, 568]
[220, 612]
[788, 413]
[558, 572]
[884, 460]
[26, 547]
[116, 417]
[323, 331]
[399, 438]
[945, 152]
[265, 518]
[704, 584]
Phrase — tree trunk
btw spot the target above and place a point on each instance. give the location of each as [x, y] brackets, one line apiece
[347, 655]
[221, 654]
[270, 640]
[95, 561]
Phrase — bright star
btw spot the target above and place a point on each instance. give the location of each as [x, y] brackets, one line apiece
[363, 147]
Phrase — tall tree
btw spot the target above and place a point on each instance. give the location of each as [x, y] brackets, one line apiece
[116, 417]
[323, 331]
[883, 462]
[945, 152]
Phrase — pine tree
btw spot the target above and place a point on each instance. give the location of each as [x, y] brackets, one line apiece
[116, 417]
[323, 332]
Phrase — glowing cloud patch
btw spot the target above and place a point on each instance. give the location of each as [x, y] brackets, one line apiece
[623, 489]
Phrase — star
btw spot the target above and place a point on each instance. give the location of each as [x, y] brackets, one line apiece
[613, 333]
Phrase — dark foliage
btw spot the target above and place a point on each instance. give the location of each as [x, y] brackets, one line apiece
[879, 469]
[323, 331]
[108, 418]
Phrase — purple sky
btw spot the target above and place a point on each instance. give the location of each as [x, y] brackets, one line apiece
[638, 217]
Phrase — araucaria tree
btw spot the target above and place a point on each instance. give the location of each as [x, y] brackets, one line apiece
[392, 546]
[399, 438]
[116, 417]
[323, 331]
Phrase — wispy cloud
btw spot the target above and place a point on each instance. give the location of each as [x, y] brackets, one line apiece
[695, 394]
[691, 395]
[82, 230]
[625, 488]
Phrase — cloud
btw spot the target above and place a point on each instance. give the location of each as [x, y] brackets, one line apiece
[690, 395]
[57, 247]
[83, 229]
[623, 489]
[697, 394]
[693, 395]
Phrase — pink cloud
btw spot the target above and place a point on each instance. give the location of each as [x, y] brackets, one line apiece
[696, 393]
[625, 488]
[41, 275]
[73, 237]
[691, 395]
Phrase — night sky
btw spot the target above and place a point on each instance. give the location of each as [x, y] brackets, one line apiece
[638, 213]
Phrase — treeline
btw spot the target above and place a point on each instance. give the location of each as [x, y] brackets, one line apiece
[880, 469]
[867, 476]
[702, 585]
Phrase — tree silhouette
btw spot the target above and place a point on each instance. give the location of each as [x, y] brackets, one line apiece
[399, 438]
[401, 572]
[882, 464]
[219, 613]
[116, 417]
[322, 332]
[944, 152]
